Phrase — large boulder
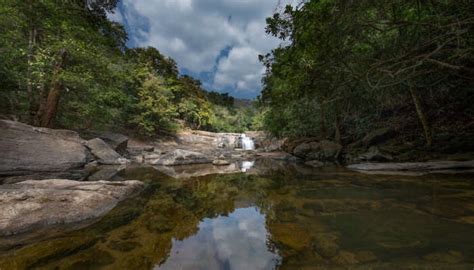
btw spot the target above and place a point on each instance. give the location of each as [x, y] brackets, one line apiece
[181, 157]
[117, 141]
[33, 205]
[104, 153]
[322, 150]
[26, 149]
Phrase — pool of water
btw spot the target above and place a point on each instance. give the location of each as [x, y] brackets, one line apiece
[271, 216]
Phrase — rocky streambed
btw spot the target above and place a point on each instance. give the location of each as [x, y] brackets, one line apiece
[56, 177]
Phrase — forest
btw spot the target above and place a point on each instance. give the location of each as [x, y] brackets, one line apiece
[66, 65]
[343, 68]
[347, 67]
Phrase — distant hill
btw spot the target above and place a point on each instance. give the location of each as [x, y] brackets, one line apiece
[242, 103]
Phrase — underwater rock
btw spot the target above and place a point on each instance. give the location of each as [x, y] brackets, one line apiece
[291, 235]
[450, 256]
[32, 204]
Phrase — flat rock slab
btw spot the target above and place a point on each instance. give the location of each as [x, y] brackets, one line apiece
[32, 204]
[25, 148]
[414, 166]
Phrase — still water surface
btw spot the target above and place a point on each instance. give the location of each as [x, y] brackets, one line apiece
[272, 216]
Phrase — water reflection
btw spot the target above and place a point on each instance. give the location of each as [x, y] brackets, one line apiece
[277, 215]
[246, 165]
[236, 241]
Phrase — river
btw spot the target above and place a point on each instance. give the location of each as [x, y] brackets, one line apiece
[272, 216]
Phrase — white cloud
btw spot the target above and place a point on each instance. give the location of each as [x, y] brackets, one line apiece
[195, 32]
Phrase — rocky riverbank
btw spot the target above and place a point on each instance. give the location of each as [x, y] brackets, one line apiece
[62, 158]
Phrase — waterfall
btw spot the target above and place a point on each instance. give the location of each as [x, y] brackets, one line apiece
[247, 143]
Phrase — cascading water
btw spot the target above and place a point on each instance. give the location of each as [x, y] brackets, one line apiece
[247, 143]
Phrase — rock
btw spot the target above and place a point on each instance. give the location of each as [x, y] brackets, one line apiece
[32, 205]
[291, 235]
[106, 172]
[326, 244]
[117, 141]
[434, 166]
[445, 257]
[374, 154]
[322, 151]
[25, 149]
[78, 175]
[314, 163]
[378, 136]
[104, 153]
[345, 258]
[181, 157]
[151, 156]
[220, 162]
[290, 145]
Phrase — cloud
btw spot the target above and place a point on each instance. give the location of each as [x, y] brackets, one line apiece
[195, 32]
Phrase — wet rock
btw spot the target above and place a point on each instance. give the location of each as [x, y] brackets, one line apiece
[322, 151]
[220, 162]
[25, 149]
[379, 136]
[445, 257]
[104, 153]
[181, 157]
[32, 204]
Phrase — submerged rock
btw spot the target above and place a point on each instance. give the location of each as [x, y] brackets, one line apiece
[32, 205]
[26, 149]
[445, 257]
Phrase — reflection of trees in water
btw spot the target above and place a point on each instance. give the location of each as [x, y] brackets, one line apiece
[311, 218]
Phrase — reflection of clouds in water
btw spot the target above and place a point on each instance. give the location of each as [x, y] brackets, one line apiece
[237, 241]
[246, 165]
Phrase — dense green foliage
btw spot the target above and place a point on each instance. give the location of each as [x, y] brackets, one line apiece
[64, 64]
[350, 66]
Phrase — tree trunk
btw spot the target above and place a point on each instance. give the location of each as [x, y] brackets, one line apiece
[33, 104]
[421, 117]
[54, 94]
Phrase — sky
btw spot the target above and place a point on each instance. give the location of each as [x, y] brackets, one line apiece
[216, 41]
